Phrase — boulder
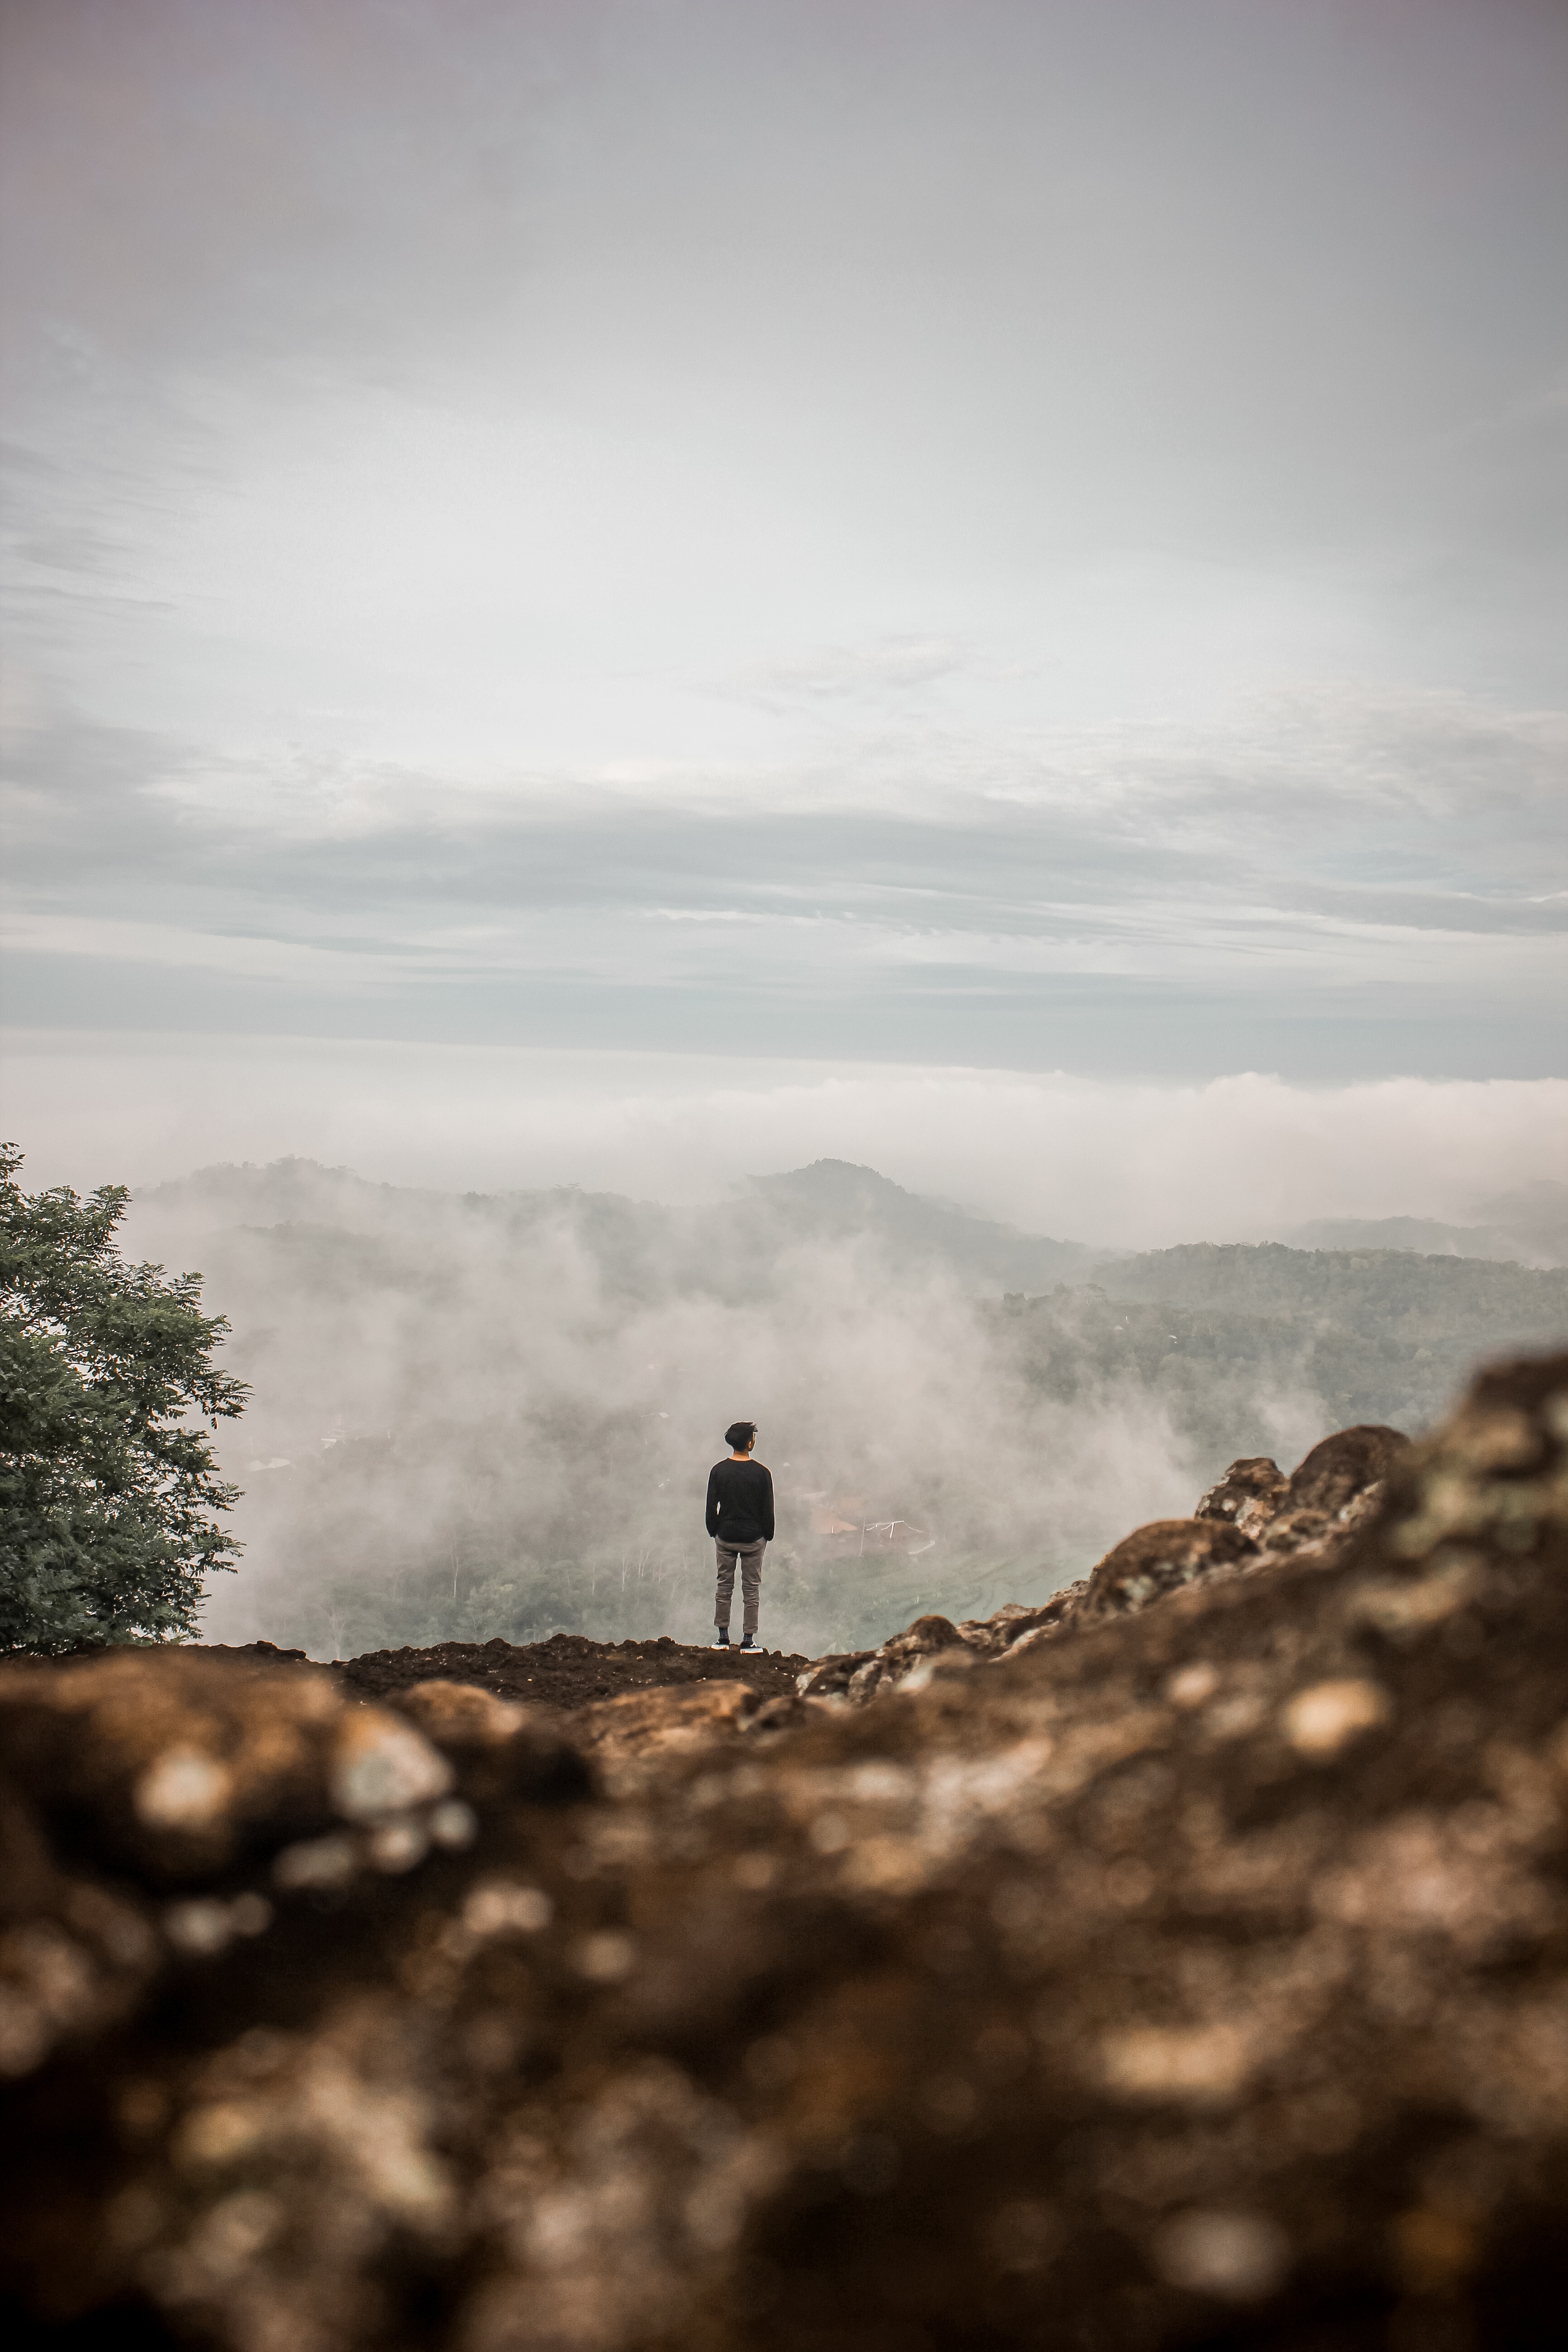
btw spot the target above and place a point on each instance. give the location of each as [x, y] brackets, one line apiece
[859, 1674]
[1161, 1558]
[1342, 1467]
[830, 1678]
[926, 1639]
[1249, 1493]
[1051, 1618]
[993, 1636]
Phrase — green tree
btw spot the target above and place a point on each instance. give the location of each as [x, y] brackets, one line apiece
[108, 1484]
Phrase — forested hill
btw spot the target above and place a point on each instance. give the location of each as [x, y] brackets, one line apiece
[1414, 1297]
[1528, 1226]
[1236, 1344]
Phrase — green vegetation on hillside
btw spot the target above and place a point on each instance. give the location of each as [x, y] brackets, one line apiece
[107, 1484]
[1372, 1335]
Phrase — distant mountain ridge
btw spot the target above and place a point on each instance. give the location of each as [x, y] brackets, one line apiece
[1269, 1279]
[830, 1201]
[1380, 1335]
[839, 1198]
[1544, 1245]
[1386, 1333]
[1528, 1226]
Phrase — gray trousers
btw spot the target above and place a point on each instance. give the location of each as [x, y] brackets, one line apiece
[750, 1559]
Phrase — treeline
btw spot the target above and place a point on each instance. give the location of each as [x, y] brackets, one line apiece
[1234, 1341]
[1426, 1299]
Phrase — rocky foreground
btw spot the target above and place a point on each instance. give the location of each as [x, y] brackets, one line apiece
[1185, 1962]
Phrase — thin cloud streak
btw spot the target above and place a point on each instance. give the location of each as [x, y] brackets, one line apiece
[1011, 536]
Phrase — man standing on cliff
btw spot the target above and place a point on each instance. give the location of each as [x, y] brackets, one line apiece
[740, 1521]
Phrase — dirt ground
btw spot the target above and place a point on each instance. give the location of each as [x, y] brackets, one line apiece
[566, 1672]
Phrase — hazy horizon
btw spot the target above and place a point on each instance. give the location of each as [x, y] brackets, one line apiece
[1122, 1165]
[293, 1183]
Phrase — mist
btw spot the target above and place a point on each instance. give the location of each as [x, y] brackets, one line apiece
[480, 1414]
[1118, 1164]
[532, 1391]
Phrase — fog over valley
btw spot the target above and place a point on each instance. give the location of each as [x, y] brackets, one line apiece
[477, 1414]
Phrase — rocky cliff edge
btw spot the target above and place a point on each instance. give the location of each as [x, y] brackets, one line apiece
[1183, 1963]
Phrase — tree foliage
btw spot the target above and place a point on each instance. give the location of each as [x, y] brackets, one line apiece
[109, 1489]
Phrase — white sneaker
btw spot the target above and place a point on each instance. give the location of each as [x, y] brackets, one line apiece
[722, 1642]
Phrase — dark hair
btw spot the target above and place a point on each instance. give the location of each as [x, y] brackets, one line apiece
[740, 1434]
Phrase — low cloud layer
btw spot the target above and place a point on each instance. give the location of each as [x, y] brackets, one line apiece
[480, 1415]
[1339, 887]
[1136, 1166]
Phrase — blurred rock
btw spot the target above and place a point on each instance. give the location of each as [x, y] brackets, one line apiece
[176, 1765]
[1017, 1621]
[497, 1749]
[644, 1725]
[1160, 1559]
[1251, 1492]
[830, 1678]
[1186, 1972]
[1344, 1468]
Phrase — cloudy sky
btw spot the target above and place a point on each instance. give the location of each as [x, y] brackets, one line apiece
[704, 548]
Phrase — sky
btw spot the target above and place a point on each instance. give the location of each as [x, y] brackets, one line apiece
[626, 592]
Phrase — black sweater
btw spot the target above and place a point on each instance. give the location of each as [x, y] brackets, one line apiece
[741, 1503]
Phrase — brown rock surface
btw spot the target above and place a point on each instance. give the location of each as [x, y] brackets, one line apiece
[1251, 1492]
[832, 1677]
[1160, 1559]
[1016, 1621]
[1196, 1976]
[927, 1638]
[1342, 1467]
